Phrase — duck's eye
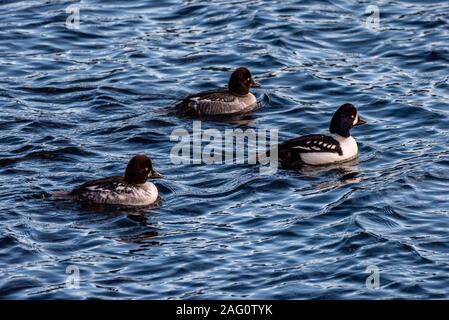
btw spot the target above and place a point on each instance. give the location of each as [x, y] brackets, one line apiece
[146, 169]
[249, 79]
[352, 116]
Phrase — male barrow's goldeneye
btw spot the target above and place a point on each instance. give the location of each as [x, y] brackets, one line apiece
[235, 99]
[131, 189]
[317, 149]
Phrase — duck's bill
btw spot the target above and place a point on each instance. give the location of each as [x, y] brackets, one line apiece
[254, 84]
[360, 122]
[155, 174]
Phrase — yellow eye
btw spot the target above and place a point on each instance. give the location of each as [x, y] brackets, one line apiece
[249, 79]
[146, 169]
[353, 116]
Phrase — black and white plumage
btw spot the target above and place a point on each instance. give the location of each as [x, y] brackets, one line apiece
[130, 189]
[314, 143]
[235, 99]
[317, 149]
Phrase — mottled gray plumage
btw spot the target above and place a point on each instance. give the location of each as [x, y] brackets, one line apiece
[216, 103]
[115, 190]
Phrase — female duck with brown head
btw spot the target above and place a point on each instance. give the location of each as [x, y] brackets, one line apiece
[233, 100]
[130, 189]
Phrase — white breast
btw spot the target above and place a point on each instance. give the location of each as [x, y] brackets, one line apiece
[348, 146]
[139, 195]
[247, 101]
[144, 195]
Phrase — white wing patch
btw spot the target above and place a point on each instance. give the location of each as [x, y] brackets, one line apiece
[315, 143]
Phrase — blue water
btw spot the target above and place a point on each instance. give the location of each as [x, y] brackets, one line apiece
[76, 104]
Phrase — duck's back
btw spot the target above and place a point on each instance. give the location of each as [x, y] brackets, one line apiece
[212, 103]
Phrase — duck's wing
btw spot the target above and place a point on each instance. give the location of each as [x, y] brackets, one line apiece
[104, 184]
[311, 143]
[208, 103]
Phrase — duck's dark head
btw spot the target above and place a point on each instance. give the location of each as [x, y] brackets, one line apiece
[241, 81]
[139, 169]
[344, 119]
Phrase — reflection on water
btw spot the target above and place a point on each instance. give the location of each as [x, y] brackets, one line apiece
[147, 237]
[344, 173]
[346, 170]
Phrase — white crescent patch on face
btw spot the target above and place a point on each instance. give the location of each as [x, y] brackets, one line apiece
[356, 119]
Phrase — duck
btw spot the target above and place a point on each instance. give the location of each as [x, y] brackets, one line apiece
[235, 99]
[318, 149]
[131, 189]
